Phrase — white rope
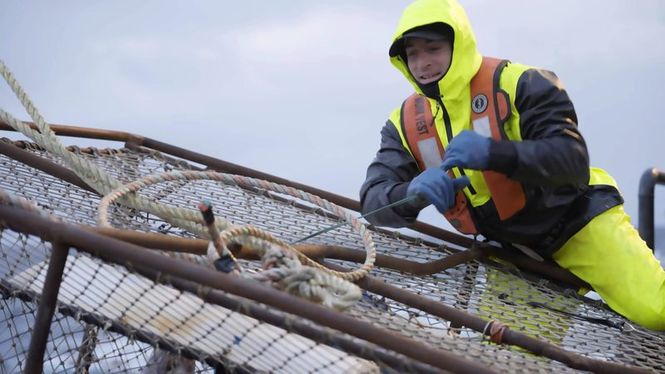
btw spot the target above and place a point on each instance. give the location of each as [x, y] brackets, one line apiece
[113, 190]
[247, 235]
[283, 270]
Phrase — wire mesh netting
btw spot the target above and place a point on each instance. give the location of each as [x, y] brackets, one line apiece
[112, 319]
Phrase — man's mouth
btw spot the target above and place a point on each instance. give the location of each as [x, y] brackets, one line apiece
[430, 77]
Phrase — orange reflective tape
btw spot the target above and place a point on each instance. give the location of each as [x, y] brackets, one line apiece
[425, 144]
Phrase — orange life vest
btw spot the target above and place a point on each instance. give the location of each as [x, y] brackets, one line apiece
[490, 108]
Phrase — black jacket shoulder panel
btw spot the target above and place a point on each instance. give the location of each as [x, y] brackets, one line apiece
[553, 151]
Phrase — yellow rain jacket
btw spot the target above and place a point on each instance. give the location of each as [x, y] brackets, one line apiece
[573, 213]
[543, 150]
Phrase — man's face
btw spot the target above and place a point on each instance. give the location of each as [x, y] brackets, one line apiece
[428, 60]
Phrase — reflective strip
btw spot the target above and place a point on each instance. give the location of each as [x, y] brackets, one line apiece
[429, 151]
[482, 126]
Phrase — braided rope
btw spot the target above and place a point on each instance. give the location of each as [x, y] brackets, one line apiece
[283, 270]
[7, 198]
[94, 176]
[247, 232]
[105, 184]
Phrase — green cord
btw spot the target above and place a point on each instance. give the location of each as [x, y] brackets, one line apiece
[396, 203]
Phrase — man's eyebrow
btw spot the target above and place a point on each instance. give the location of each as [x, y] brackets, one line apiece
[410, 45]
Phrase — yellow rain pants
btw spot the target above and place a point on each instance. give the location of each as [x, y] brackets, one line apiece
[609, 254]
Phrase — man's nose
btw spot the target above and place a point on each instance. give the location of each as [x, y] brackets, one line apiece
[424, 63]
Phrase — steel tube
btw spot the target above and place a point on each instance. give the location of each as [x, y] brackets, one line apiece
[7, 290]
[46, 309]
[199, 246]
[227, 167]
[478, 324]
[79, 132]
[156, 266]
[216, 297]
[223, 166]
[648, 182]
[307, 330]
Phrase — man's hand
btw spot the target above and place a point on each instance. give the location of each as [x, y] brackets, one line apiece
[467, 150]
[435, 186]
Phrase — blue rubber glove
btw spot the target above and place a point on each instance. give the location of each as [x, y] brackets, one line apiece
[436, 186]
[467, 150]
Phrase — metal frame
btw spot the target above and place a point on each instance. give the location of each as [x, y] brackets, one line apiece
[190, 277]
[164, 269]
[228, 167]
[523, 262]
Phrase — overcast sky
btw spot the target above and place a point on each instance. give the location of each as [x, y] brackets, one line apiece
[300, 89]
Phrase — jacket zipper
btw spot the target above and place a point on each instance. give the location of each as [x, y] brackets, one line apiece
[449, 135]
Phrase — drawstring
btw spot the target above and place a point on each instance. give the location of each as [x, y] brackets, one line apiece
[330, 228]
[601, 321]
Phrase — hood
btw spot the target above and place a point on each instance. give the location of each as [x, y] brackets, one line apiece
[465, 60]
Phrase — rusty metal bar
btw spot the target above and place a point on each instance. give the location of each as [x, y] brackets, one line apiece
[390, 262]
[155, 266]
[480, 253]
[523, 262]
[185, 245]
[47, 303]
[253, 310]
[199, 246]
[79, 132]
[153, 240]
[7, 290]
[227, 167]
[478, 324]
[43, 164]
[310, 331]
[547, 268]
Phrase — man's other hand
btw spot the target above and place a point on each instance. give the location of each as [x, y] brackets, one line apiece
[436, 186]
[467, 150]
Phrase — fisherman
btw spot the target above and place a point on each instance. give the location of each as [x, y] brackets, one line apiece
[494, 146]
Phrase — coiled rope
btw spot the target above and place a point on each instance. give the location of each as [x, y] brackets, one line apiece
[247, 235]
[113, 190]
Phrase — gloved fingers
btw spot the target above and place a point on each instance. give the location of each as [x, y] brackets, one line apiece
[449, 162]
[441, 204]
[466, 136]
[461, 182]
[418, 182]
[436, 187]
[445, 193]
[429, 194]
